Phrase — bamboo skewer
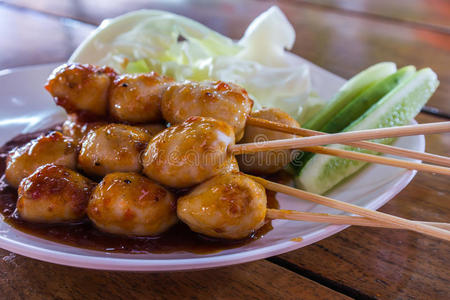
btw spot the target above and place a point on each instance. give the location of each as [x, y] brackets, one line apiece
[375, 215]
[344, 137]
[387, 149]
[380, 160]
[339, 219]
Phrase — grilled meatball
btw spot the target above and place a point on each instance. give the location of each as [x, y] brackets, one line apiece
[270, 161]
[81, 89]
[230, 206]
[77, 129]
[53, 194]
[189, 153]
[51, 148]
[112, 148]
[223, 101]
[131, 204]
[136, 98]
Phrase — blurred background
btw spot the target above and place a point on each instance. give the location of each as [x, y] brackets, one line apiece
[342, 36]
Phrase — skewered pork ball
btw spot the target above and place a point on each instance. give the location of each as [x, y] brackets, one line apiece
[112, 148]
[270, 161]
[51, 148]
[230, 206]
[53, 194]
[129, 203]
[223, 101]
[189, 153]
[136, 98]
[81, 89]
[77, 129]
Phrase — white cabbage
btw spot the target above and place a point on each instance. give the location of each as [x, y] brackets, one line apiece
[173, 45]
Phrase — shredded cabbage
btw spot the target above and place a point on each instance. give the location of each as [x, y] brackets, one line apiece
[176, 46]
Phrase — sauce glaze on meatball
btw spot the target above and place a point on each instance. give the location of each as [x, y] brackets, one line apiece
[267, 162]
[82, 89]
[131, 204]
[136, 98]
[53, 194]
[227, 102]
[112, 148]
[51, 148]
[189, 153]
[230, 206]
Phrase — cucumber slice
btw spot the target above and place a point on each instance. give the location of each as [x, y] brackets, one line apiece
[349, 91]
[366, 99]
[397, 108]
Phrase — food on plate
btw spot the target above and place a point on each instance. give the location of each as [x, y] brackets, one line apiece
[77, 129]
[189, 153]
[131, 204]
[230, 206]
[144, 140]
[50, 148]
[366, 99]
[349, 91]
[183, 49]
[220, 100]
[81, 89]
[112, 148]
[398, 107]
[53, 194]
[147, 98]
[268, 162]
[136, 98]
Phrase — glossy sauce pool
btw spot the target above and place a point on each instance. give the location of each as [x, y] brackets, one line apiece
[85, 235]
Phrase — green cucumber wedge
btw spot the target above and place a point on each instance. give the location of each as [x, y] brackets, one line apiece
[352, 88]
[398, 107]
[366, 99]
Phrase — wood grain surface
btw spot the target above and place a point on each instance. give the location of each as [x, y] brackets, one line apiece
[387, 263]
[433, 14]
[25, 278]
[340, 36]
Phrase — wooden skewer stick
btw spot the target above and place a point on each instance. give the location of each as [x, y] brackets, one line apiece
[339, 219]
[426, 157]
[379, 160]
[372, 214]
[344, 137]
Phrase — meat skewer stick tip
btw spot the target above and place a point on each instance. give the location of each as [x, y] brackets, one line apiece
[438, 127]
[338, 219]
[387, 149]
[375, 215]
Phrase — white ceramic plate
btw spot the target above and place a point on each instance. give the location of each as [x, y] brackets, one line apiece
[27, 107]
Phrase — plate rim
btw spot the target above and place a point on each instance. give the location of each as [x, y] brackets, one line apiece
[197, 263]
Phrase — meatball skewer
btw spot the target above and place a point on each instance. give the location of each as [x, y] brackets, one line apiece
[224, 101]
[387, 219]
[131, 204]
[53, 194]
[233, 206]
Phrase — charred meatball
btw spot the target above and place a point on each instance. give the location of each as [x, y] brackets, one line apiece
[189, 153]
[53, 194]
[230, 206]
[131, 204]
[81, 89]
[270, 161]
[77, 129]
[223, 101]
[51, 148]
[112, 148]
[136, 98]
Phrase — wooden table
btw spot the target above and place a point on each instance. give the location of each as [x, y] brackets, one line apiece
[341, 36]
